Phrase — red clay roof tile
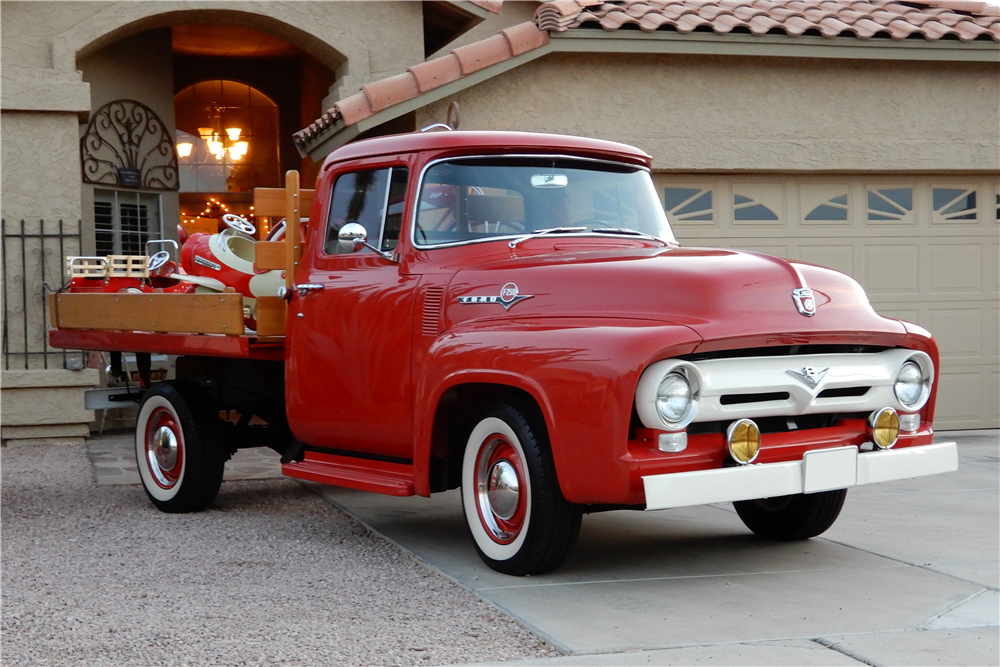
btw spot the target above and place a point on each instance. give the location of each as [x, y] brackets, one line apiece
[395, 89]
[478, 55]
[354, 108]
[525, 37]
[831, 18]
[437, 72]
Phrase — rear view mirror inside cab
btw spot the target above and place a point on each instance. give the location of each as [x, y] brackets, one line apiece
[549, 181]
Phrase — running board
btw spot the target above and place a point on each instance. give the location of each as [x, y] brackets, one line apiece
[392, 479]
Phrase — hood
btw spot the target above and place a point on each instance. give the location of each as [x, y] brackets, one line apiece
[717, 293]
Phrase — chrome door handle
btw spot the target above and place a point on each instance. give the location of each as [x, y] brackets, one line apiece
[305, 288]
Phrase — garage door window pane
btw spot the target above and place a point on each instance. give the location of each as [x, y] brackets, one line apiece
[746, 209]
[835, 209]
[954, 203]
[688, 204]
[893, 204]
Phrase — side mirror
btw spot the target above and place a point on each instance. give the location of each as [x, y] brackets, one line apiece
[353, 237]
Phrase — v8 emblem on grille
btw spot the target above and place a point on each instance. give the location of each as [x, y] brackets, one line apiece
[811, 376]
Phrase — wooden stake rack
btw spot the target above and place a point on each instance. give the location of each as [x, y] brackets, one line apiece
[220, 313]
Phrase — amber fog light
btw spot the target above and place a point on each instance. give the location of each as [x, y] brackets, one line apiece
[883, 428]
[743, 438]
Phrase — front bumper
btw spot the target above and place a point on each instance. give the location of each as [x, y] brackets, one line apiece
[818, 470]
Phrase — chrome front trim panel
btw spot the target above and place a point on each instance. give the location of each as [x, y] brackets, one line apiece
[820, 470]
[803, 377]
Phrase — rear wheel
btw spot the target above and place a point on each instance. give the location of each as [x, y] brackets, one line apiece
[178, 447]
[796, 517]
[519, 520]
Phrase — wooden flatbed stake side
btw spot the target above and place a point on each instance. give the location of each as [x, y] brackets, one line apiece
[175, 313]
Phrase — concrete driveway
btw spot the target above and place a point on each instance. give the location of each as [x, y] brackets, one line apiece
[908, 575]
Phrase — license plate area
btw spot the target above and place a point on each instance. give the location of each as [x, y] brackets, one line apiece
[828, 469]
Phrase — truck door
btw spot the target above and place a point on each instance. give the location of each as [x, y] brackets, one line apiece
[348, 373]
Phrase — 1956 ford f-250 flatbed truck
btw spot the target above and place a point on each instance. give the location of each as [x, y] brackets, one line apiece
[510, 313]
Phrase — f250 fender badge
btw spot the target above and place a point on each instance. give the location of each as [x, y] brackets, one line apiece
[508, 297]
[198, 259]
[804, 300]
[811, 376]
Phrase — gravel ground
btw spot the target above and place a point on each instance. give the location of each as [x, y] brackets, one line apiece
[269, 575]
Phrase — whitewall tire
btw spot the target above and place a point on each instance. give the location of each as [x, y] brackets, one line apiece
[517, 516]
[178, 447]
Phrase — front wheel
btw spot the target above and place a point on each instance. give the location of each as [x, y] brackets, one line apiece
[519, 520]
[796, 517]
[178, 447]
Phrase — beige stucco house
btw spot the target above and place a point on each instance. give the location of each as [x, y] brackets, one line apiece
[857, 135]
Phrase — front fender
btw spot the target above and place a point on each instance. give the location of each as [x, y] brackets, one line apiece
[581, 372]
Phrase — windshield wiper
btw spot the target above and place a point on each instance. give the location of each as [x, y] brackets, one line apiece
[628, 232]
[542, 232]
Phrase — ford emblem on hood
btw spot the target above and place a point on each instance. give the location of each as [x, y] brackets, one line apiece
[804, 301]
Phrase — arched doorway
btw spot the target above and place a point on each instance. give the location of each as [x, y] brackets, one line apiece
[202, 79]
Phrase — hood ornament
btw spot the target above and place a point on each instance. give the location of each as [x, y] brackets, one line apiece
[508, 297]
[804, 301]
[811, 376]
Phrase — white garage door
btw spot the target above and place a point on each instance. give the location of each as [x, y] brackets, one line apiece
[924, 248]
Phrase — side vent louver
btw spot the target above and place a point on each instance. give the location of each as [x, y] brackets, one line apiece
[432, 311]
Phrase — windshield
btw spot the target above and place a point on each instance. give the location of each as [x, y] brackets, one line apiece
[465, 200]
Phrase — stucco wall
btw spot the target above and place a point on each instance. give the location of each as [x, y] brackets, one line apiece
[41, 166]
[756, 114]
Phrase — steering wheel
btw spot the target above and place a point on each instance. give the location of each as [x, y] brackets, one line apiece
[158, 260]
[238, 223]
[593, 222]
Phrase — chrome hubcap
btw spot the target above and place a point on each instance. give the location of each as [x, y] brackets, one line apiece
[162, 453]
[503, 490]
[499, 483]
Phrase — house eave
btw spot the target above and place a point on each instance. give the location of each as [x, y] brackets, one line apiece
[804, 46]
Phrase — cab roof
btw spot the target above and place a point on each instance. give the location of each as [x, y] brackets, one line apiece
[464, 142]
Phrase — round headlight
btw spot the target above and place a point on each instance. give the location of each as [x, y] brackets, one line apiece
[674, 399]
[910, 384]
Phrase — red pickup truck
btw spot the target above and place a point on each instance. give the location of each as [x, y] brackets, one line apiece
[510, 313]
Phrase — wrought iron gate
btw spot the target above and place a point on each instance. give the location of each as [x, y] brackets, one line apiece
[34, 265]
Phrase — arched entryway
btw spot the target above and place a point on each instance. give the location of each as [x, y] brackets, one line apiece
[230, 96]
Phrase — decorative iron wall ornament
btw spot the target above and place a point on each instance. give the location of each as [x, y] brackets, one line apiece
[126, 144]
